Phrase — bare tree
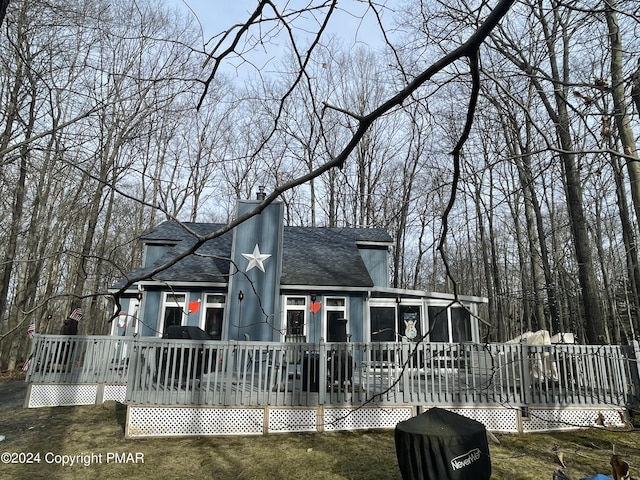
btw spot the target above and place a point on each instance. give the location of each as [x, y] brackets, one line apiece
[557, 26]
[73, 114]
[399, 127]
[468, 50]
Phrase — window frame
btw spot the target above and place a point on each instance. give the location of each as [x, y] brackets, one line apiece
[344, 308]
[214, 305]
[449, 308]
[285, 315]
[469, 318]
[398, 322]
[172, 304]
[131, 318]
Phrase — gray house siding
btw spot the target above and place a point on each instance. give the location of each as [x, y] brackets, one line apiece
[151, 312]
[356, 318]
[262, 234]
[376, 261]
[153, 253]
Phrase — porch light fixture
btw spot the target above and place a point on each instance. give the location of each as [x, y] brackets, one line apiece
[139, 295]
[398, 300]
[240, 298]
[313, 297]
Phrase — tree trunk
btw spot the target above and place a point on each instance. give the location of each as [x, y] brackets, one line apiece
[625, 133]
[621, 115]
[631, 247]
[3, 9]
[557, 109]
[523, 164]
[488, 271]
[16, 213]
[595, 324]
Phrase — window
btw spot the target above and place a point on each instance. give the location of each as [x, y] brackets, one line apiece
[174, 310]
[336, 311]
[214, 315]
[461, 325]
[295, 318]
[389, 319]
[383, 329]
[438, 324]
[383, 324]
[449, 324]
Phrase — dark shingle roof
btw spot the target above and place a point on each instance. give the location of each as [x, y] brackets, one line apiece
[175, 232]
[311, 256]
[209, 264]
[322, 256]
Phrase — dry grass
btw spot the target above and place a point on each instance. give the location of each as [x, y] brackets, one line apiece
[363, 455]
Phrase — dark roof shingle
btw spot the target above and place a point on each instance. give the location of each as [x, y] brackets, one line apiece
[311, 256]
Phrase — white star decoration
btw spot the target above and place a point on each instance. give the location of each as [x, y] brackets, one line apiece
[256, 259]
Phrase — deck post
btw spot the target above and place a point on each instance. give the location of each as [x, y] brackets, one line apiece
[404, 366]
[322, 373]
[232, 364]
[634, 367]
[131, 372]
[525, 375]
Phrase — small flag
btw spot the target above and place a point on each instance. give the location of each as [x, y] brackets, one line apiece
[31, 330]
[76, 314]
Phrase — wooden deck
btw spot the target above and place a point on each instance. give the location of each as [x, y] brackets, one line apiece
[186, 372]
[186, 387]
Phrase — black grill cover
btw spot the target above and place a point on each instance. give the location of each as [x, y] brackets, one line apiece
[442, 445]
[178, 332]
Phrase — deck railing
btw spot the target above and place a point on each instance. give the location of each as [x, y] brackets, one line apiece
[79, 359]
[188, 372]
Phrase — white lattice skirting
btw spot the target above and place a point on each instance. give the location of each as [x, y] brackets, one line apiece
[364, 418]
[59, 394]
[542, 419]
[157, 421]
[495, 419]
[570, 418]
[117, 393]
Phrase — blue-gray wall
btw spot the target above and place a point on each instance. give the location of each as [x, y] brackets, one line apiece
[356, 318]
[376, 260]
[256, 314]
[152, 300]
[153, 253]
